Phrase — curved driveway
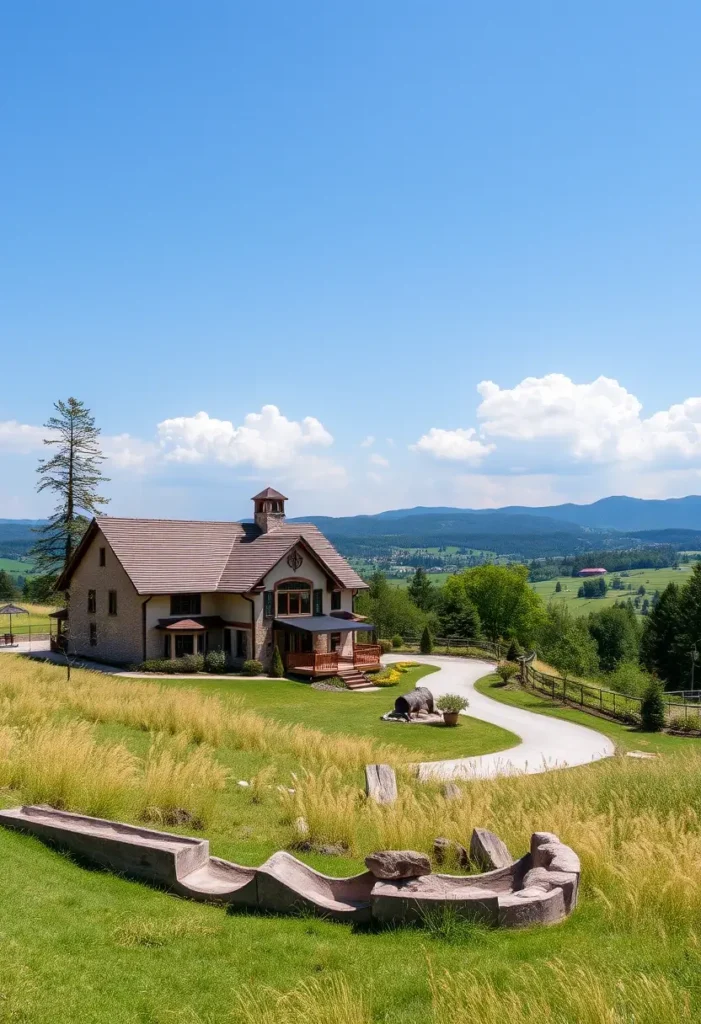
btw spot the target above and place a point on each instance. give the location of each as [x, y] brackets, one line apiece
[545, 742]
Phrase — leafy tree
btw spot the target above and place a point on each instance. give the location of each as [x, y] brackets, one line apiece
[457, 615]
[73, 474]
[652, 709]
[41, 590]
[389, 608]
[617, 636]
[505, 602]
[580, 592]
[7, 587]
[420, 590]
[426, 641]
[558, 587]
[601, 586]
[641, 590]
[514, 651]
[645, 610]
[575, 652]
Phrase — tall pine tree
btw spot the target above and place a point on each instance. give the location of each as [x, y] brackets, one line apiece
[73, 474]
[420, 590]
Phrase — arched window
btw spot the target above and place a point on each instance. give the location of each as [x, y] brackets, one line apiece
[294, 597]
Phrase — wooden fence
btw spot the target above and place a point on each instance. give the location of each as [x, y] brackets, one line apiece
[457, 645]
[616, 705]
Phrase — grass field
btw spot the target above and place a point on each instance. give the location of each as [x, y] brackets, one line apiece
[38, 616]
[17, 566]
[81, 945]
[651, 579]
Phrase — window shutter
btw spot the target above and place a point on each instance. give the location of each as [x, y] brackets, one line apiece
[318, 602]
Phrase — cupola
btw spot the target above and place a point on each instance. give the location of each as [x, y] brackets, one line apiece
[269, 510]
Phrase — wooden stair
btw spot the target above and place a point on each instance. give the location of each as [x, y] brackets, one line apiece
[353, 677]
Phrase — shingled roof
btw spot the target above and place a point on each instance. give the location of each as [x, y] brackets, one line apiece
[170, 556]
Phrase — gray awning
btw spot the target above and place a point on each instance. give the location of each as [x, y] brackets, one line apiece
[323, 624]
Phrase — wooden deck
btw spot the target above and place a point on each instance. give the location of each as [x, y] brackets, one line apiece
[366, 658]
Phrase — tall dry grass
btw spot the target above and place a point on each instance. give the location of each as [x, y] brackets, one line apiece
[331, 1001]
[178, 779]
[636, 826]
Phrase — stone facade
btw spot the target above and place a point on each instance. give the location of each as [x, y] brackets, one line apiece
[119, 638]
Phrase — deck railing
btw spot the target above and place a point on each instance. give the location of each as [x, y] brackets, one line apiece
[311, 661]
[367, 654]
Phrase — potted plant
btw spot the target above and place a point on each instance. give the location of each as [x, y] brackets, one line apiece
[451, 704]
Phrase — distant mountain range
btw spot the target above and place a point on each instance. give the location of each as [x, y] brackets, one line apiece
[550, 530]
[615, 513]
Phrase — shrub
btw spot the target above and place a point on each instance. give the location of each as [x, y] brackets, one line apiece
[506, 670]
[426, 641]
[252, 667]
[652, 709]
[385, 646]
[192, 663]
[452, 702]
[397, 641]
[215, 662]
[514, 651]
[681, 724]
[278, 669]
[173, 666]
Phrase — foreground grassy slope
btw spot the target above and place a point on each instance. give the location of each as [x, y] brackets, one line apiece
[80, 945]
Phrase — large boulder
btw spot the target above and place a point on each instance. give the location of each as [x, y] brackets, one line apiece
[393, 864]
[488, 851]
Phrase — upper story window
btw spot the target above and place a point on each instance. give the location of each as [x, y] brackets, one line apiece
[92, 602]
[112, 602]
[103, 557]
[294, 597]
[186, 604]
[335, 601]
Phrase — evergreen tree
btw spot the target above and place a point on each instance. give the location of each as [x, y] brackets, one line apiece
[652, 709]
[659, 646]
[7, 587]
[426, 641]
[558, 587]
[420, 590]
[73, 474]
[457, 615]
[278, 669]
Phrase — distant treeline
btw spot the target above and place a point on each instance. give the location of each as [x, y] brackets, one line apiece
[613, 561]
[524, 546]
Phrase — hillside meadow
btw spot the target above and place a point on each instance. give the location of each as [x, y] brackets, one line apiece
[84, 945]
[651, 579]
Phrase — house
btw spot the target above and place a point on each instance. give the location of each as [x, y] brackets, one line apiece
[160, 588]
[592, 572]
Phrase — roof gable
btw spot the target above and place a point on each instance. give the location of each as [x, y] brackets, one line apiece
[167, 556]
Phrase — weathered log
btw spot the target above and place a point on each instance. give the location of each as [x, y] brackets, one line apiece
[380, 783]
[420, 699]
[488, 851]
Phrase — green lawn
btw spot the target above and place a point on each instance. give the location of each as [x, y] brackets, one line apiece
[359, 714]
[17, 567]
[651, 579]
[625, 737]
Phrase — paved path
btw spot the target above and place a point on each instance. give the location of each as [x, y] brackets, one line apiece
[545, 742]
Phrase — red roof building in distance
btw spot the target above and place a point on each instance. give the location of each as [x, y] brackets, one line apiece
[592, 572]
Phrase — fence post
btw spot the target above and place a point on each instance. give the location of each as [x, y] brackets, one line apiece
[581, 695]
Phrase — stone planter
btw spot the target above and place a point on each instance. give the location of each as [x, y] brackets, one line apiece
[450, 717]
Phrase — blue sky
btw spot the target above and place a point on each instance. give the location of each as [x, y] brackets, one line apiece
[360, 214]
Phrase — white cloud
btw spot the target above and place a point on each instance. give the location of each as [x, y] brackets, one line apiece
[265, 440]
[597, 422]
[390, 441]
[376, 478]
[21, 438]
[368, 441]
[378, 460]
[457, 445]
[127, 452]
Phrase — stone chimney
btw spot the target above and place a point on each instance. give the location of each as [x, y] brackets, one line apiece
[269, 510]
